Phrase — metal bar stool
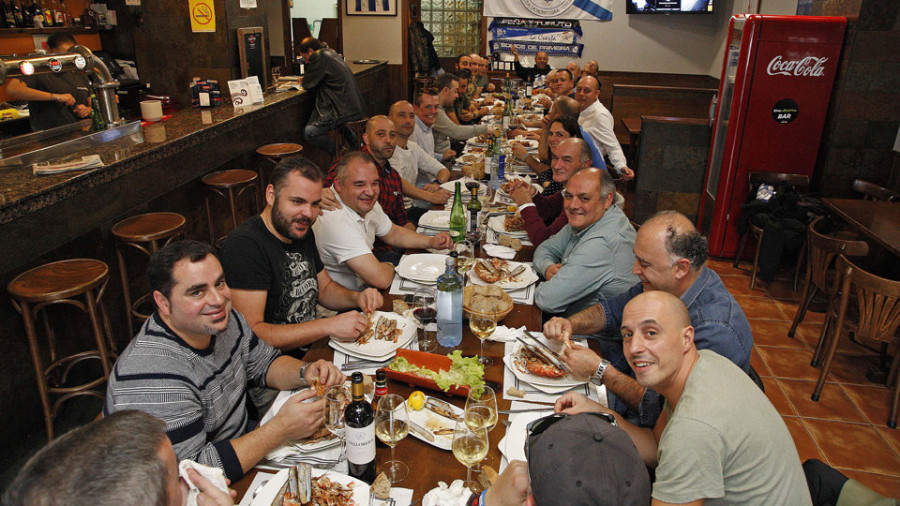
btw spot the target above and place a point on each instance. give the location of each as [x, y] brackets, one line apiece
[274, 153]
[62, 283]
[229, 184]
[144, 233]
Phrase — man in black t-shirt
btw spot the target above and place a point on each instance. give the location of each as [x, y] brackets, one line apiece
[275, 273]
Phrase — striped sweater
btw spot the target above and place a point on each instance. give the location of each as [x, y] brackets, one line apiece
[200, 394]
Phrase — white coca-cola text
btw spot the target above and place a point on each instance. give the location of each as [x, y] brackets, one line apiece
[807, 67]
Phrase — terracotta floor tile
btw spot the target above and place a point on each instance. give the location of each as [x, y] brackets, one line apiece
[777, 398]
[809, 333]
[833, 404]
[888, 486]
[757, 362]
[760, 307]
[789, 363]
[790, 307]
[740, 285]
[774, 333]
[723, 268]
[806, 445]
[875, 403]
[892, 436]
[853, 446]
[784, 289]
[852, 368]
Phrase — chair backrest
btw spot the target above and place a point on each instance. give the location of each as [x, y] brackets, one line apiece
[878, 299]
[872, 191]
[800, 182]
[822, 249]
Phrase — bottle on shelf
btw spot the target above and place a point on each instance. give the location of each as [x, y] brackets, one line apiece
[67, 14]
[36, 15]
[449, 305]
[6, 16]
[18, 14]
[457, 216]
[48, 13]
[359, 422]
[59, 15]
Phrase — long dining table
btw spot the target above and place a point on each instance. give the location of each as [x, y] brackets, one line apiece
[428, 464]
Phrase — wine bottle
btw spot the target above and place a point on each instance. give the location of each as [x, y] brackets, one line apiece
[18, 14]
[359, 421]
[496, 175]
[474, 208]
[449, 305]
[59, 16]
[457, 216]
[380, 391]
[5, 15]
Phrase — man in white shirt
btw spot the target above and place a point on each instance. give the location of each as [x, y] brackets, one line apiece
[426, 107]
[345, 236]
[415, 165]
[597, 122]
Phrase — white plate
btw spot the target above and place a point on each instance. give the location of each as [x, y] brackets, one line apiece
[497, 224]
[267, 495]
[422, 267]
[439, 220]
[566, 381]
[527, 278]
[429, 420]
[450, 186]
[378, 348]
[280, 400]
[530, 144]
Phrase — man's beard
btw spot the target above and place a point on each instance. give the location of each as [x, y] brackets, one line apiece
[282, 223]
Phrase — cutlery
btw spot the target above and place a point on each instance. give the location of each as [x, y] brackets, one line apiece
[421, 431]
[551, 356]
[364, 364]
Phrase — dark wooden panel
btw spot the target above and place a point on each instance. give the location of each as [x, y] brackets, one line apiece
[634, 101]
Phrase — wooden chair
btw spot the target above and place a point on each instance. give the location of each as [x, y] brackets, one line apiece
[799, 183]
[872, 191]
[877, 318]
[821, 250]
[341, 146]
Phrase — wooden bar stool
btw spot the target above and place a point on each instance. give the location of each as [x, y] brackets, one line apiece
[63, 282]
[144, 233]
[230, 184]
[274, 153]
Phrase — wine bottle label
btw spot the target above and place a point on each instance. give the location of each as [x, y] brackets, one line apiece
[361, 444]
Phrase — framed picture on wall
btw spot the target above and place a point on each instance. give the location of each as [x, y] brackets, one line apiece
[370, 7]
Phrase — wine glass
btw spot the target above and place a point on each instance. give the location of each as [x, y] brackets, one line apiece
[470, 446]
[482, 407]
[466, 258]
[392, 425]
[336, 399]
[483, 322]
[425, 311]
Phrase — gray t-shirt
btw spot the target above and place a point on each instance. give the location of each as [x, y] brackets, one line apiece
[725, 443]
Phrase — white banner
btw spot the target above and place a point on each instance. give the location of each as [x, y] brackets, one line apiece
[595, 10]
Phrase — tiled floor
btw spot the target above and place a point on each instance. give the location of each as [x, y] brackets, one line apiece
[847, 428]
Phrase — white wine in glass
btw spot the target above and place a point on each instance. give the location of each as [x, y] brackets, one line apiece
[470, 446]
[392, 425]
[482, 408]
[483, 322]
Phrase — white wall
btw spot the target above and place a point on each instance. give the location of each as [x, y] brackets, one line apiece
[375, 37]
[314, 10]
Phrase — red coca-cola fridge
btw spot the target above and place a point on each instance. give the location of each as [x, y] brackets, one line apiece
[776, 83]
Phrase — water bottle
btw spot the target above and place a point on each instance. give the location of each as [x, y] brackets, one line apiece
[494, 182]
[449, 306]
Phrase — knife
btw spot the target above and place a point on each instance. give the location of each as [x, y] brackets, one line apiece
[420, 431]
[552, 357]
[363, 364]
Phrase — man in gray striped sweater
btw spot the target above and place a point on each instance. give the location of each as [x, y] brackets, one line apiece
[193, 360]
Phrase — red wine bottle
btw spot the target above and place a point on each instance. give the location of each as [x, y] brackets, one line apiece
[359, 420]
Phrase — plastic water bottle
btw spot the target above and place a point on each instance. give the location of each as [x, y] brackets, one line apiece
[449, 306]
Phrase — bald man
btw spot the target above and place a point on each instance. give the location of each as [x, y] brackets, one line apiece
[720, 439]
[597, 121]
[541, 65]
[669, 256]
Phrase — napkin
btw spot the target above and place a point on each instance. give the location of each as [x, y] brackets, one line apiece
[495, 250]
[504, 334]
[215, 476]
[454, 495]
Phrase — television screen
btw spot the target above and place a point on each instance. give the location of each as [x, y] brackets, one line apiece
[668, 6]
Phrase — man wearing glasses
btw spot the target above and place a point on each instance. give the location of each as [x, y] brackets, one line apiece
[590, 259]
[719, 439]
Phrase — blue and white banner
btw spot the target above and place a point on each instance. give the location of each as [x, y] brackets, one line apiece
[532, 47]
[555, 37]
[594, 10]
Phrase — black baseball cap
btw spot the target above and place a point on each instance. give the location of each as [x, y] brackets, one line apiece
[585, 459]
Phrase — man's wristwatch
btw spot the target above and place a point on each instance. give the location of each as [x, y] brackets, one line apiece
[303, 373]
[438, 182]
[597, 377]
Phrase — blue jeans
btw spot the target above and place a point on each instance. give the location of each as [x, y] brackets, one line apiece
[317, 133]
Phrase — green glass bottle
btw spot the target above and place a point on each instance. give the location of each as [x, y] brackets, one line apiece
[457, 216]
[97, 121]
[474, 208]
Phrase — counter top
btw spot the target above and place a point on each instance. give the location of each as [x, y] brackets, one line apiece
[22, 193]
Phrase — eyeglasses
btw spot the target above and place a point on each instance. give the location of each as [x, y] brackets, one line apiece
[541, 425]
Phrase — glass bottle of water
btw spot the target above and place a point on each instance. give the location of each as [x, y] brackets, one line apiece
[449, 306]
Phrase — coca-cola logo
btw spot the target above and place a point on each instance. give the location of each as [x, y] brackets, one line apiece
[807, 67]
[55, 65]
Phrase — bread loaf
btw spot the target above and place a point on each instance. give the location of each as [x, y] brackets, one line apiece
[381, 487]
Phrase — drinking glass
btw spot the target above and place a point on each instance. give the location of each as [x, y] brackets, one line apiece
[481, 409]
[483, 322]
[336, 399]
[466, 258]
[392, 425]
[276, 73]
[425, 311]
[470, 447]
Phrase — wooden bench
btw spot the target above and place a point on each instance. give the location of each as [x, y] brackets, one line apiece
[634, 101]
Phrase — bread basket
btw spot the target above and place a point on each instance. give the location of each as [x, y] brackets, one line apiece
[505, 302]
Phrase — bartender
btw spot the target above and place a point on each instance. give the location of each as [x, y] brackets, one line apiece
[54, 99]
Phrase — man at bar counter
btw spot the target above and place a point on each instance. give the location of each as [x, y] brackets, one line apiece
[345, 236]
[54, 99]
[720, 439]
[338, 99]
[194, 359]
[588, 260]
[275, 272]
[669, 256]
